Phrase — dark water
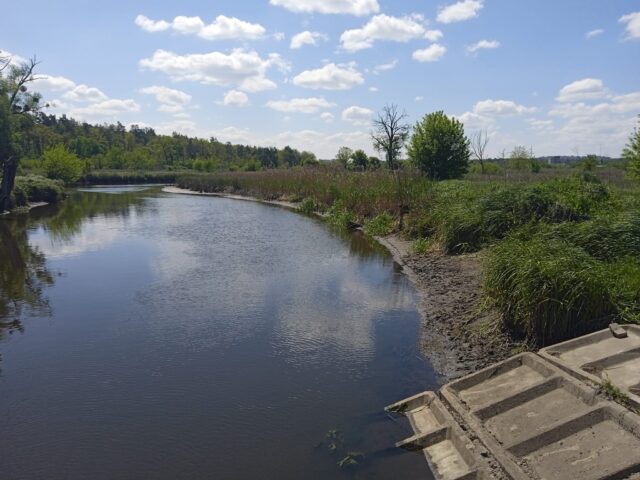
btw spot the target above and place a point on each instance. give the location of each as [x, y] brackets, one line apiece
[156, 336]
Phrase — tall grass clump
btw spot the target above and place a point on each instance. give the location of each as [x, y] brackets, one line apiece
[549, 290]
[380, 225]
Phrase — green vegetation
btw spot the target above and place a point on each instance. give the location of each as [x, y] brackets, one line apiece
[631, 154]
[61, 164]
[607, 388]
[439, 148]
[562, 253]
[34, 188]
[120, 177]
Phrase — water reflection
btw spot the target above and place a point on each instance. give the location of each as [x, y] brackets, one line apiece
[24, 274]
[201, 338]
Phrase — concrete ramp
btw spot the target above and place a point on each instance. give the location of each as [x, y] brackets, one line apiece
[608, 355]
[529, 418]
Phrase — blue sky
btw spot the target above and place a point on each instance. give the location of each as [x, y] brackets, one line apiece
[561, 77]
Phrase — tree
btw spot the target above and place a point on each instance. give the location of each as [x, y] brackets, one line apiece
[359, 160]
[439, 148]
[521, 159]
[374, 163]
[479, 142]
[62, 164]
[390, 132]
[343, 155]
[631, 154]
[17, 106]
[308, 158]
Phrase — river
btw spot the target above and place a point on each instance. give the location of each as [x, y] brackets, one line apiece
[162, 336]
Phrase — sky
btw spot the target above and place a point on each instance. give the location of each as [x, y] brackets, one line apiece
[557, 76]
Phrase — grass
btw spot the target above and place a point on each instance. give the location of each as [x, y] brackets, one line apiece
[124, 177]
[562, 246]
[612, 392]
[35, 188]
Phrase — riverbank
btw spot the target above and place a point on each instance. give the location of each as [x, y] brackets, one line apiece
[456, 333]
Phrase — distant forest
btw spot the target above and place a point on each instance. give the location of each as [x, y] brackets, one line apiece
[113, 146]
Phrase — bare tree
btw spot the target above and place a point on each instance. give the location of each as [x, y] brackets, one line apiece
[14, 100]
[390, 132]
[479, 142]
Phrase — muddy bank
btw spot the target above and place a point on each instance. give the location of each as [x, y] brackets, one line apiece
[456, 336]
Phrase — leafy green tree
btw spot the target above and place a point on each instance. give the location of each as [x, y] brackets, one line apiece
[17, 108]
[62, 164]
[359, 160]
[522, 158]
[631, 154]
[308, 158]
[343, 155]
[439, 148]
[288, 157]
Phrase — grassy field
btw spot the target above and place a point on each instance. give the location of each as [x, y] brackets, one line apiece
[561, 247]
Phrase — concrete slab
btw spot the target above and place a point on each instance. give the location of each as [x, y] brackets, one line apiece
[530, 418]
[449, 452]
[608, 354]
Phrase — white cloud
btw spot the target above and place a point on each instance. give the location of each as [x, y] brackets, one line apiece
[373, 89]
[482, 44]
[307, 38]
[419, 98]
[149, 25]
[171, 100]
[235, 98]
[304, 105]
[12, 57]
[357, 115]
[460, 11]
[50, 82]
[594, 33]
[633, 25]
[383, 27]
[500, 107]
[433, 35]
[84, 93]
[432, 53]
[585, 89]
[108, 108]
[327, 117]
[541, 125]
[385, 67]
[330, 77]
[475, 121]
[352, 7]
[222, 28]
[242, 68]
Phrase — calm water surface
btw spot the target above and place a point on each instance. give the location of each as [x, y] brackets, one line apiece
[156, 336]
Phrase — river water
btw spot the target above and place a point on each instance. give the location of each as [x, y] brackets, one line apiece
[148, 335]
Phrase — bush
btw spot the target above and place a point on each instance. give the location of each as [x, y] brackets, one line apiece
[549, 290]
[34, 188]
[62, 164]
[308, 206]
[490, 168]
[339, 216]
[380, 225]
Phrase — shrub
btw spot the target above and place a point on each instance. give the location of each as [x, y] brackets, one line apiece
[62, 164]
[490, 168]
[34, 188]
[380, 225]
[339, 216]
[308, 206]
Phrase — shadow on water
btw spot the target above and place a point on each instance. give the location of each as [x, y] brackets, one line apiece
[24, 274]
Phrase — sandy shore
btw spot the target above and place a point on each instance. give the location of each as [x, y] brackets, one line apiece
[456, 336]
